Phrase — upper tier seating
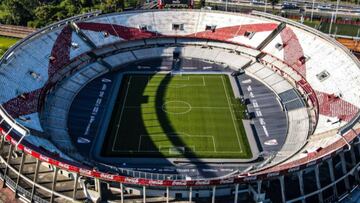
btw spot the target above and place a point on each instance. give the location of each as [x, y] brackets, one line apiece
[110, 28]
[313, 58]
[33, 57]
[78, 46]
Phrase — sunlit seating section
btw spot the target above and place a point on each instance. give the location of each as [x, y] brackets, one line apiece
[327, 68]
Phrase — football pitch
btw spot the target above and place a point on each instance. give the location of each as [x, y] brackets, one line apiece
[177, 116]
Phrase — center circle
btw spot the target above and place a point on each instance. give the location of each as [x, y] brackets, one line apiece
[176, 107]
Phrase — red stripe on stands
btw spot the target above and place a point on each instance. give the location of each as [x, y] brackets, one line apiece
[293, 50]
[336, 107]
[328, 106]
[23, 106]
[227, 33]
[127, 33]
[60, 51]
[28, 102]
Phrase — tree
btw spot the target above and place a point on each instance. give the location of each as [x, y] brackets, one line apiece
[273, 3]
[19, 11]
[44, 15]
[108, 6]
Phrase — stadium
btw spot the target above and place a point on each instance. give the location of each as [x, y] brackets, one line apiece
[179, 106]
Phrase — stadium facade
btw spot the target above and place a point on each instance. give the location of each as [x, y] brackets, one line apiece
[315, 79]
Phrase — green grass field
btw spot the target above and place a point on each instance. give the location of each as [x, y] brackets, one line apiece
[5, 43]
[340, 29]
[177, 116]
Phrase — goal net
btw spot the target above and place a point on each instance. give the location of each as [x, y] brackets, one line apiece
[176, 150]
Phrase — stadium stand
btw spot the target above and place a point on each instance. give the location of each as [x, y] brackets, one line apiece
[58, 106]
[316, 79]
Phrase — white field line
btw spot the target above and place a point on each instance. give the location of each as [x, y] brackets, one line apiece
[176, 85]
[176, 77]
[202, 107]
[178, 107]
[164, 135]
[214, 143]
[139, 146]
[121, 113]
[221, 152]
[230, 109]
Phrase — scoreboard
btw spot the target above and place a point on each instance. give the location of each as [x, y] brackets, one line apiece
[175, 3]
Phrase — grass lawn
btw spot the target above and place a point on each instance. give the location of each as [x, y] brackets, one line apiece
[177, 116]
[313, 24]
[5, 43]
[342, 29]
[350, 30]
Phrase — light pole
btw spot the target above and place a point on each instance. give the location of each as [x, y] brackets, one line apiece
[312, 10]
[265, 6]
[331, 21]
[334, 16]
[343, 138]
[337, 9]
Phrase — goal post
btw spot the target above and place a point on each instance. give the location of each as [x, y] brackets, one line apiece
[177, 150]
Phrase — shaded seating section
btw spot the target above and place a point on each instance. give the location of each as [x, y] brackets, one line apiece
[291, 100]
[8, 89]
[46, 145]
[24, 104]
[216, 55]
[155, 52]
[298, 126]
[120, 58]
[119, 46]
[207, 44]
[31, 121]
[28, 63]
[59, 102]
[78, 46]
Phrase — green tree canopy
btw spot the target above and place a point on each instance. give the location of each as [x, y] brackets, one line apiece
[19, 12]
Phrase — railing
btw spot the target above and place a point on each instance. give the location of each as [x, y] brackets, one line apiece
[350, 125]
[21, 130]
